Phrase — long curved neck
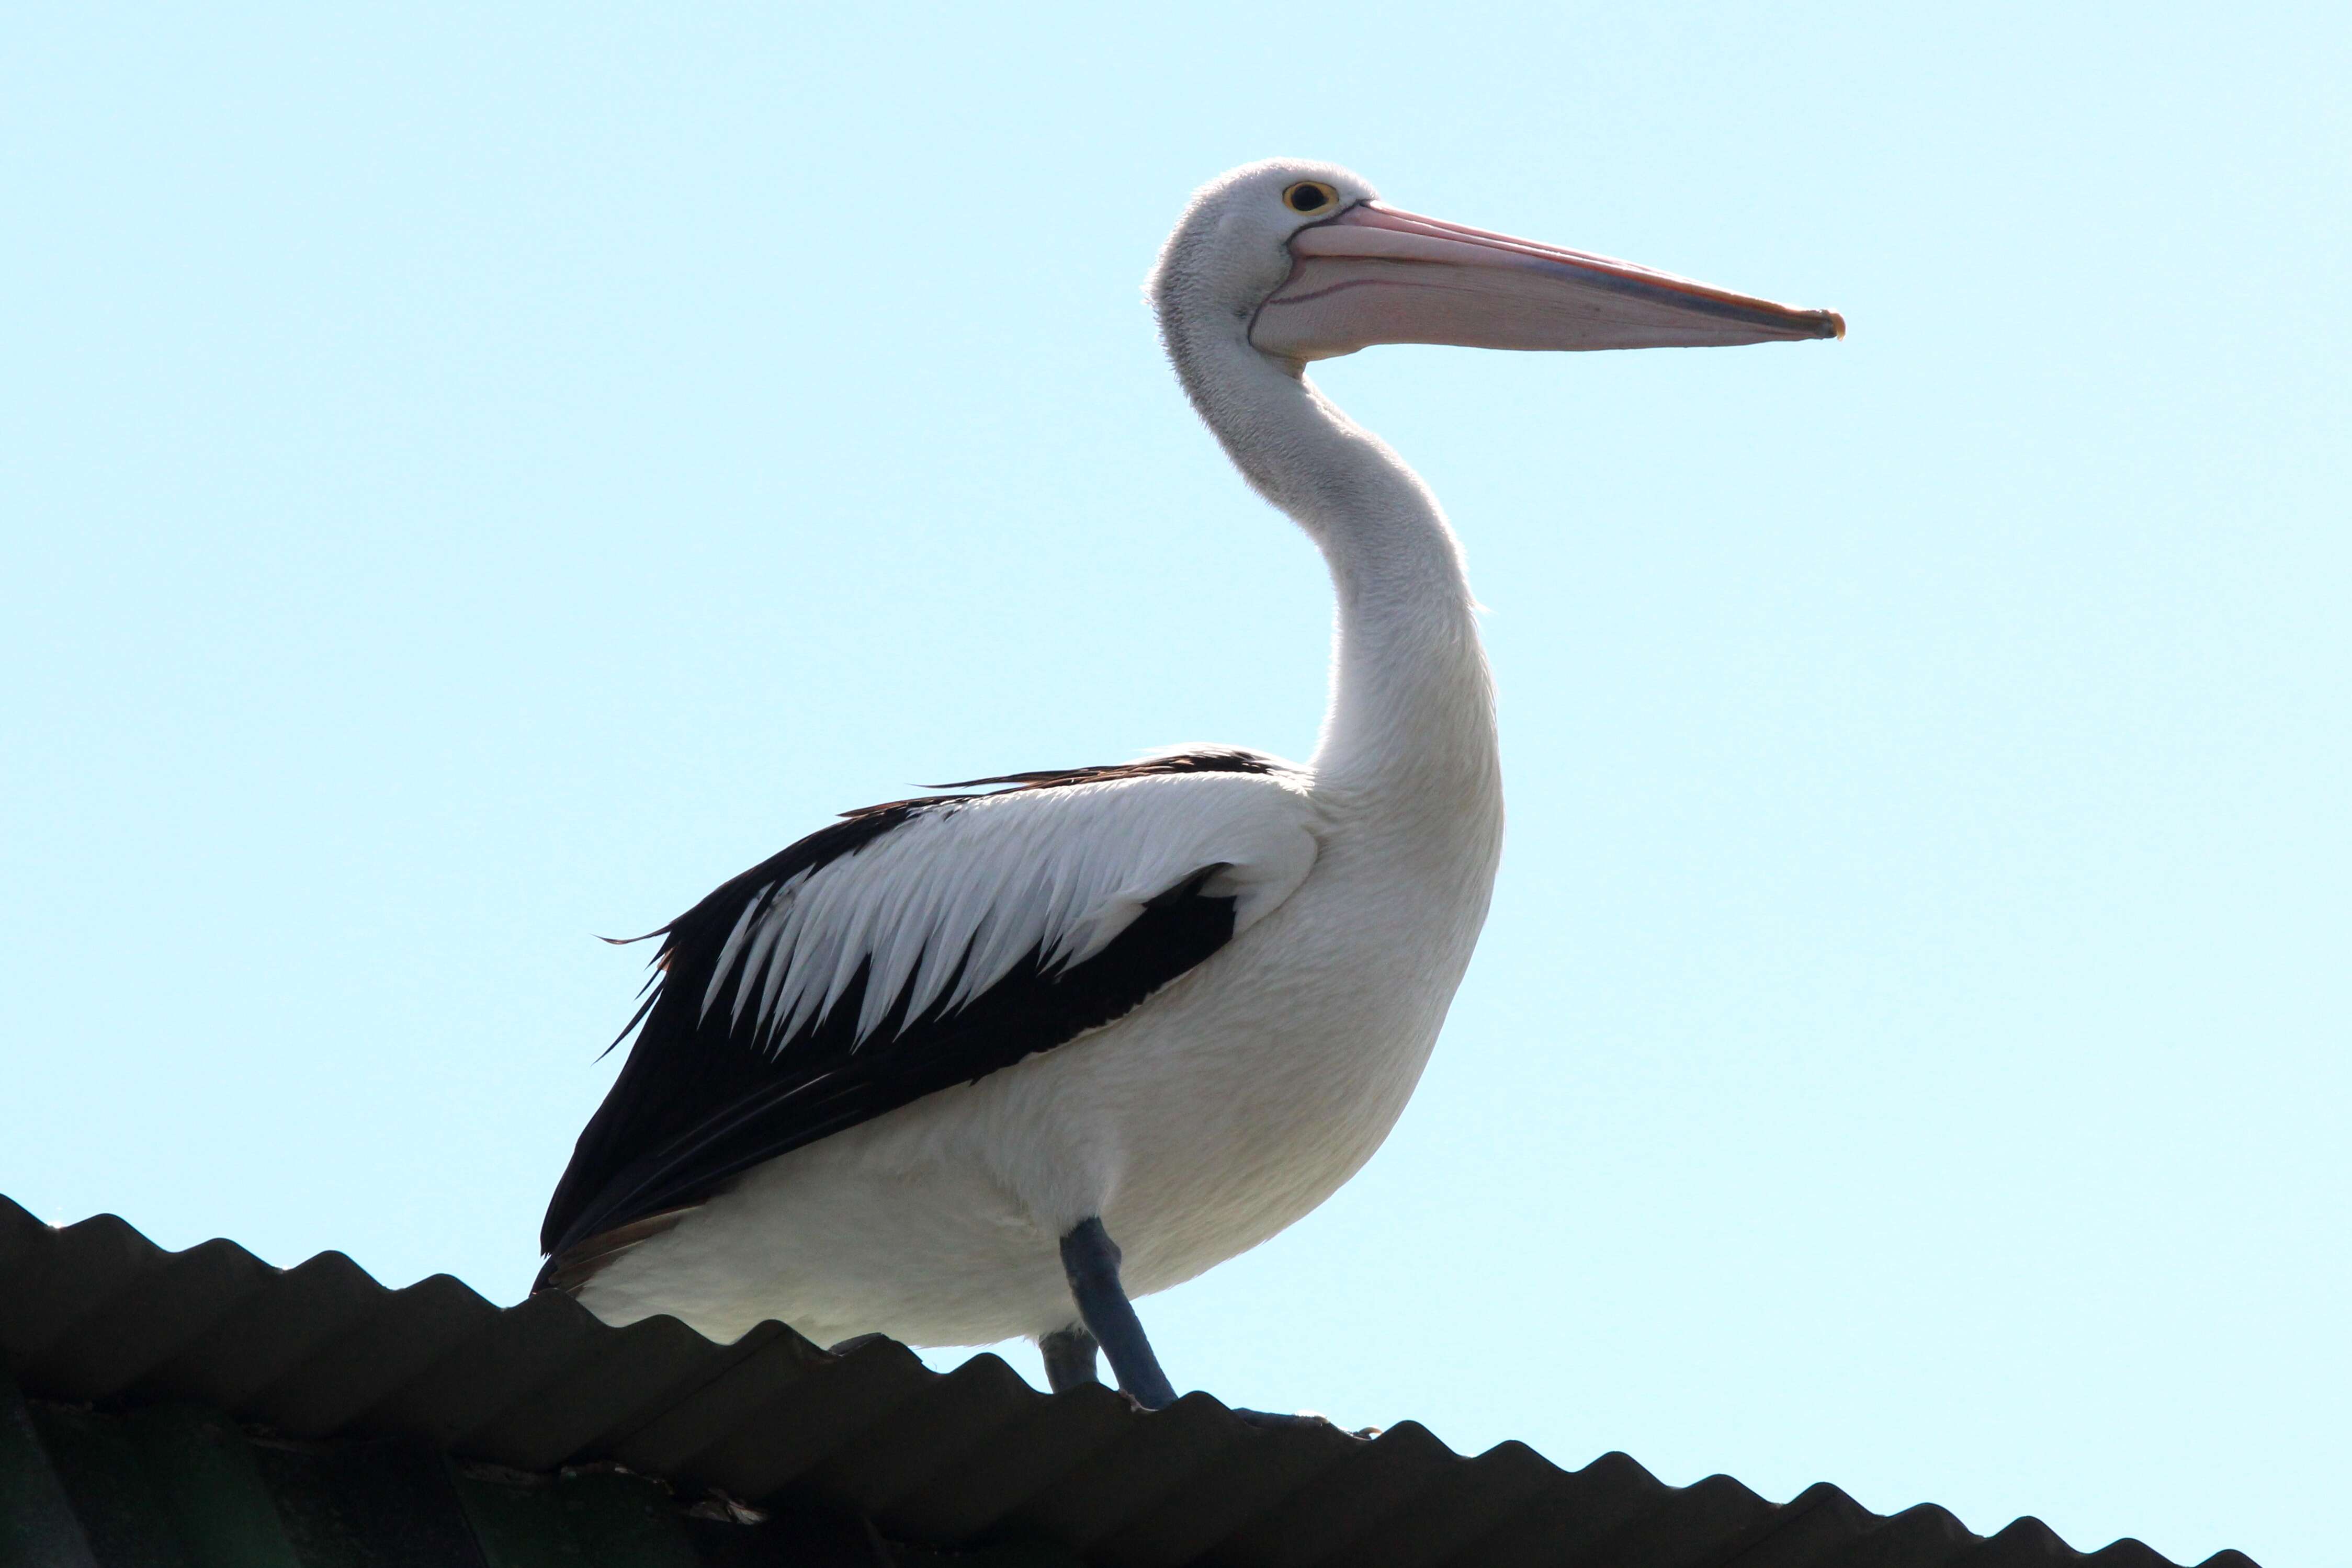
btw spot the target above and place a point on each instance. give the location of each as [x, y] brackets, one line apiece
[1412, 714]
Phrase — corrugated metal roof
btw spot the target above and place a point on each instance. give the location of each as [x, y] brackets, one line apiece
[175, 1486]
[96, 1313]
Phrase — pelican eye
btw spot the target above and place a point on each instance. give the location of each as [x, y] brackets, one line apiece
[1309, 196]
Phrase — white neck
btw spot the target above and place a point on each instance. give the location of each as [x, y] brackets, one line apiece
[1412, 714]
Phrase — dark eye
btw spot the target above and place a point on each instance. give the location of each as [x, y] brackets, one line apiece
[1309, 196]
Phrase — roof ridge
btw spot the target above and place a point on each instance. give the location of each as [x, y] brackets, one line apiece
[95, 1312]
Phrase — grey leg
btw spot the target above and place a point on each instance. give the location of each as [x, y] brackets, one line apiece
[1069, 1357]
[1090, 1258]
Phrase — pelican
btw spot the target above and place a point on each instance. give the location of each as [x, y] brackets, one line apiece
[992, 1063]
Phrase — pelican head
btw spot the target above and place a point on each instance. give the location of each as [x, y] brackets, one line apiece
[1303, 261]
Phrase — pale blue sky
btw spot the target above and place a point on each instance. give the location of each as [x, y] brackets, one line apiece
[476, 477]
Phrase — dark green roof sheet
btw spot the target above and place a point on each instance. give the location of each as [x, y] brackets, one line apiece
[108, 1337]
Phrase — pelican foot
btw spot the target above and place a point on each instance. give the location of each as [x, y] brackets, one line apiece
[719, 1505]
[1090, 1259]
[1276, 1421]
[1069, 1357]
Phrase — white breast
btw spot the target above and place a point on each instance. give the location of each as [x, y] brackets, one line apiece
[1222, 1110]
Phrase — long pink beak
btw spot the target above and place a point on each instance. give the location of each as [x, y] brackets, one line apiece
[1375, 274]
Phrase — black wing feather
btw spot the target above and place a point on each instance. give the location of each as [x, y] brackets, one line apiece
[703, 1098]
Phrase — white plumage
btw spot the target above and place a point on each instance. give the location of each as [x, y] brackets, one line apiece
[943, 907]
[915, 1074]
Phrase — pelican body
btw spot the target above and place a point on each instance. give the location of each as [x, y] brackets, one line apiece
[990, 1063]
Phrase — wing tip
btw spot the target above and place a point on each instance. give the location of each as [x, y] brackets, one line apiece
[568, 1267]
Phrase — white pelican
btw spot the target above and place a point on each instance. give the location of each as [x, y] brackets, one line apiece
[987, 1064]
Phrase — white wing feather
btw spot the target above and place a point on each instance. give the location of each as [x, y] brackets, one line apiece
[945, 904]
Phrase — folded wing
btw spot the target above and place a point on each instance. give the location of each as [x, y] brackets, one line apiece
[912, 946]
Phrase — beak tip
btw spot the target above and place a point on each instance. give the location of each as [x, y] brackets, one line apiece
[1836, 325]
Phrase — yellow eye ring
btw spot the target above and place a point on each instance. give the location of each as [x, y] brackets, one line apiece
[1310, 196]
